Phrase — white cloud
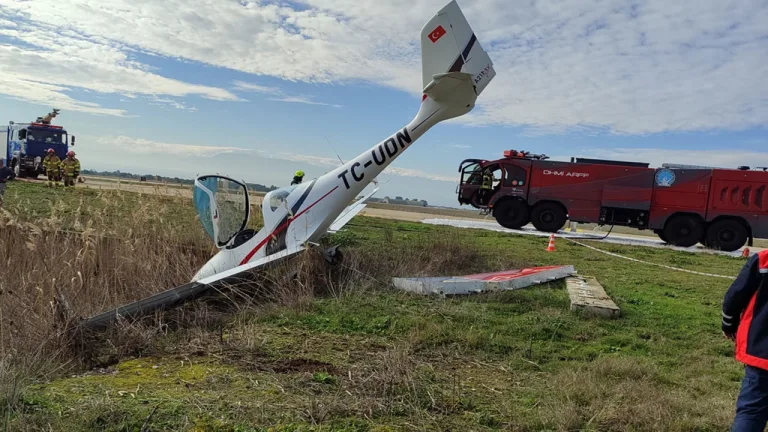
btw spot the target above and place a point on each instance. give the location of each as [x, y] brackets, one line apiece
[172, 103]
[602, 65]
[407, 172]
[19, 88]
[250, 87]
[318, 161]
[656, 66]
[279, 95]
[54, 62]
[303, 100]
[146, 147]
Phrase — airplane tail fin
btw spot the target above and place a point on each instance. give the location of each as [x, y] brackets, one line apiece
[455, 68]
[448, 44]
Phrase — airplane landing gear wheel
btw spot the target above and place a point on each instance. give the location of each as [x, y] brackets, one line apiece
[333, 256]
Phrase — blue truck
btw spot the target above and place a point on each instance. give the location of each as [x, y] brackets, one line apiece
[27, 144]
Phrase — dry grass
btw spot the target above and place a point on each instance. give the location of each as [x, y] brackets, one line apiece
[75, 262]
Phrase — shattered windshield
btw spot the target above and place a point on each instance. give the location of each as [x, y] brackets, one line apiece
[222, 205]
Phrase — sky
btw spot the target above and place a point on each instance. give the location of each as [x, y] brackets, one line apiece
[259, 89]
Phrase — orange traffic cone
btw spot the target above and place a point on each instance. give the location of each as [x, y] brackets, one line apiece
[745, 254]
[551, 247]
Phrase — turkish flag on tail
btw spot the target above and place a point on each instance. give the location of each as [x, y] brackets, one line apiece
[436, 34]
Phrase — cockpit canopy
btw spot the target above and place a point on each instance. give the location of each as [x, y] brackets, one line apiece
[278, 197]
[223, 207]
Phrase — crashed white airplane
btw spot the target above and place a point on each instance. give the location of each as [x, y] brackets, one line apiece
[455, 71]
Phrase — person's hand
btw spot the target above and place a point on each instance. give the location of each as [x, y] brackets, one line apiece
[731, 336]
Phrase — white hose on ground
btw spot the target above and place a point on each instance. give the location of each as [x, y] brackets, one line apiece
[646, 262]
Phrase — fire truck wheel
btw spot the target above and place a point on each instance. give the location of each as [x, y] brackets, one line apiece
[683, 231]
[661, 235]
[548, 217]
[727, 235]
[512, 214]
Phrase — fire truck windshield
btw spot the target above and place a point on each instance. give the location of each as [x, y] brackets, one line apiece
[471, 174]
[47, 136]
[472, 167]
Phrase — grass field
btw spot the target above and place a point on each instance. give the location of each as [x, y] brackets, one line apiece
[340, 349]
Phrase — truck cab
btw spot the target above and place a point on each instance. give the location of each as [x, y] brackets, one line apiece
[27, 145]
[511, 176]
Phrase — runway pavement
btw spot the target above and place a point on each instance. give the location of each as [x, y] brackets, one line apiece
[626, 239]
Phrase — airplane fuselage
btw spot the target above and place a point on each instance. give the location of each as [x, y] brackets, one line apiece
[306, 212]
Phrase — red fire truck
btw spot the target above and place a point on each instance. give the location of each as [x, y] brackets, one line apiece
[684, 205]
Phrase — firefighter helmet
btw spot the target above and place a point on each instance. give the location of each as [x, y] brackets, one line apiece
[71, 153]
[50, 150]
[299, 173]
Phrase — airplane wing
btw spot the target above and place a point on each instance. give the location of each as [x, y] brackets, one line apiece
[256, 264]
[184, 293]
[350, 212]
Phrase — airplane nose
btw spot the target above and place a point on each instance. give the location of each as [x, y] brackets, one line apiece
[209, 269]
[204, 272]
[220, 262]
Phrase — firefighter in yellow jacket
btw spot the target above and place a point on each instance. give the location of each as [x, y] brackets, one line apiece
[71, 168]
[52, 165]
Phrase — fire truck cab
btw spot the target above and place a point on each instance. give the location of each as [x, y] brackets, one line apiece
[27, 144]
[684, 205]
